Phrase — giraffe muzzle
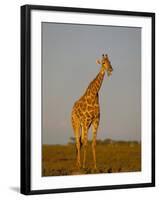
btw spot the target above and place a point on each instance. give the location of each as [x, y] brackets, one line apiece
[109, 72]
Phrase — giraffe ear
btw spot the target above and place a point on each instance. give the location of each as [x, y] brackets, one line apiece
[98, 61]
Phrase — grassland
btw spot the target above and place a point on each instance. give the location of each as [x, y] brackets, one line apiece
[111, 158]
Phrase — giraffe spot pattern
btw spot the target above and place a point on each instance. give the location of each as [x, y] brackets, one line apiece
[89, 100]
[90, 108]
[87, 114]
[92, 113]
[88, 92]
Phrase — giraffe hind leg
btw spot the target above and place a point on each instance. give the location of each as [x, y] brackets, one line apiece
[84, 143]
[95, 125]
[76, 128]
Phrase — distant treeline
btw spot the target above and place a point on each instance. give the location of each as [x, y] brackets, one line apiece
[107, 141]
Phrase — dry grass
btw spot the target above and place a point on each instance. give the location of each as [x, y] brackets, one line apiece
[117, 157]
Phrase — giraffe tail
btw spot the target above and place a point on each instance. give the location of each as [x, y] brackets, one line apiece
[80, 139]
[80, 142]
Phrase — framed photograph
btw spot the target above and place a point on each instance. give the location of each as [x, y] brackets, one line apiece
[87, 99]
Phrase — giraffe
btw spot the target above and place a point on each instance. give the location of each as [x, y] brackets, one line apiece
[86, 112]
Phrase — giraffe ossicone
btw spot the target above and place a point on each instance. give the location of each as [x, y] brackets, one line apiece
[86, 112]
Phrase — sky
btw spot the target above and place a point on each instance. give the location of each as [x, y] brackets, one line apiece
[69, 53]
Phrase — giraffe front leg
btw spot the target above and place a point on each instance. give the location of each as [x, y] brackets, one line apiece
[78, 162]
[95, 125]
[94, 150]
[84, 153]
[84, 142]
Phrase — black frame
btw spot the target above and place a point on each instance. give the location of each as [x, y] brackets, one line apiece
[26, 98]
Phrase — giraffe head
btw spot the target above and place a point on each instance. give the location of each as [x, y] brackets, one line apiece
[105, 63]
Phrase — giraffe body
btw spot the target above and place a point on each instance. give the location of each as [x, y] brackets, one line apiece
[86, 113]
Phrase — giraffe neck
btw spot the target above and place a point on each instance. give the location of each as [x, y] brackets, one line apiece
[95, 85]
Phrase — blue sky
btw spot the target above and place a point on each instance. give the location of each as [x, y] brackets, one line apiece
[69, 54]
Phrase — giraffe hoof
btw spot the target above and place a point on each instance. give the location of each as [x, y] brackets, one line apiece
[94, 170]
[78, 165]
